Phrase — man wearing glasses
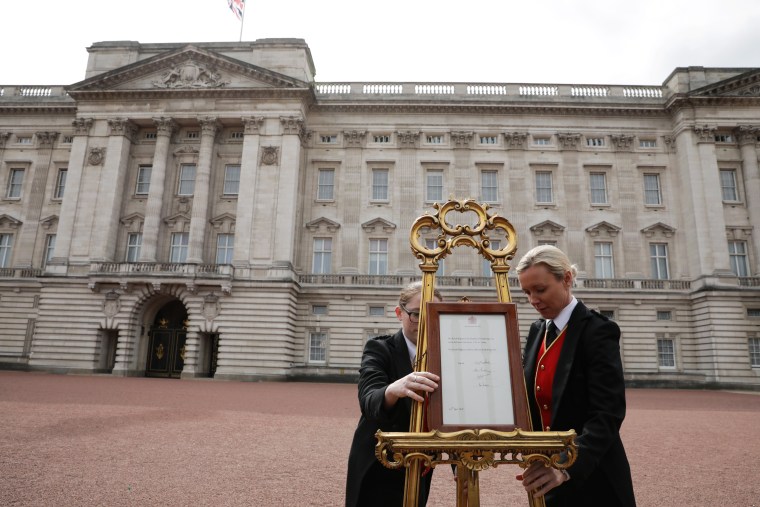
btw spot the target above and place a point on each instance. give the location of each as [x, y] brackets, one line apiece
[387, 386]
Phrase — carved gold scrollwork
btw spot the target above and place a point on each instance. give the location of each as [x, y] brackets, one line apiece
[160, 351]
[476, 236]
[163, 323]
[182, 352]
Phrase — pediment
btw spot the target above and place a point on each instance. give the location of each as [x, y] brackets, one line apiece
[189, 68]
[603, 227]
[547, 227]
[378, 224]
[746, 84]
[49, 222]
[7, 221]
[177, 219]
[322, 222]
[658, 228]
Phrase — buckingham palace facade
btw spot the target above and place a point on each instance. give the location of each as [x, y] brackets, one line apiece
[210, 209]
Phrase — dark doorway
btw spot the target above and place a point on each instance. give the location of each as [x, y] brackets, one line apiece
[166, 347]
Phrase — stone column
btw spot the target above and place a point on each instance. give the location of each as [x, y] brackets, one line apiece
[700, 178]
[569, 175]
[747, 136]
[39, 171]
[286, 216]
[154, 207]
[70, 197]
[351, 195]
[111, 189]
[242, 253]
[201, 194]
[409, 203]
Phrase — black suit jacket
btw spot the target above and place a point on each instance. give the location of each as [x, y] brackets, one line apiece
[588, 395]
[385, 360]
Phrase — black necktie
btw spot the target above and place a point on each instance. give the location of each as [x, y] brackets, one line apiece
[551, 333]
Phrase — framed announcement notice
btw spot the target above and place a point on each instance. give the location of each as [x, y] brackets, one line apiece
[475, 349]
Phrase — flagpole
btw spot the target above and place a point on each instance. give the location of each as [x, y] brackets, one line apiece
[242, 20]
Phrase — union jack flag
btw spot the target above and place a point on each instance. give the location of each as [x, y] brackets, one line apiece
[238, 7]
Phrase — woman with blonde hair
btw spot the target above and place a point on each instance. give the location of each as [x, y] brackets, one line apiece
[574, 379]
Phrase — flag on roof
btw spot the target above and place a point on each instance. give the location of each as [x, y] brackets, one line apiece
[238, 7]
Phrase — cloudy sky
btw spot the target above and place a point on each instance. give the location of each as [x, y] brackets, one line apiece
[637, 42]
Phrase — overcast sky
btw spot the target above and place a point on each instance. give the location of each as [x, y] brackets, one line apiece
[637, 42]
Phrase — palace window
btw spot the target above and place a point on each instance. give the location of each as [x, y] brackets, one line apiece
[658, 255]
[6, 250]
[724, 138]
[542, 141]
[737, 253]
[322, 256]
[383, 139]
[225, 245]
[378, 256]
[329, 139]
[143, 179]
[24, 140]
[754, 351]
[49, 249]
[377, 311]
[319, 309]
[598, 185]
[60, 183]
[325, 184]
[666, 353]
[151, 135]
[379, 184]
[317, 347]
[728, 185]
[647, 143]
[15, 183]
[603, 261]
[652, 193]
[236, 134]
[489, 186]
[178, 249]
[231, 179]
[186, 179]
[544, 187]
[488, 139]
[664, 315]
[434, 139]
[193, 134]
[595, 141]
[434, 185]
[134, 243]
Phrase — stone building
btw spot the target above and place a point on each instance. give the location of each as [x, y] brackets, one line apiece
[211, 210]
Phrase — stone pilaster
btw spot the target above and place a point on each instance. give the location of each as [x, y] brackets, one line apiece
[154, 207]
[71, 196]
[408, 198]
[249, 185]
[351, 196]
[111, 188]
[199, 213]
[747, 136]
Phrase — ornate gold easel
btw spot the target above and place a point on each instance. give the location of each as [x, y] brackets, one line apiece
[470, 450]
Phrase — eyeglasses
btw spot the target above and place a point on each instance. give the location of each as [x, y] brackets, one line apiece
[413, 315]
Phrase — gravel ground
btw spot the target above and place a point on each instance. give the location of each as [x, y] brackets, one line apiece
[69, 440]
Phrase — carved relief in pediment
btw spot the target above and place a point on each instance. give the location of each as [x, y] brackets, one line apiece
[191, 74]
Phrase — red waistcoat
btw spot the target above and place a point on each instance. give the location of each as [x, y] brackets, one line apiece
[546, 366]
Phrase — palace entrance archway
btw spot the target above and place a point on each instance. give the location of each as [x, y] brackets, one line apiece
[166, 342]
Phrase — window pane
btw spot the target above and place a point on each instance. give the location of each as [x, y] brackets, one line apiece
[231, 180]
[666, 353]
[658, 254]
[378, 256]
[380, 184]
[225, 244]
[143, 179]
[322, 258]
[543, 186]
[134, 242]
[317, 347]
[325, 180]
[489, 186]
[434, 186]
[6, 249]
[49, 249]
[754, 351]
[603, 260]
[598, 188]
[178, 252]
[737, 251]
[728, 185]
[60, 184]
[652, 189]
[15, 182]
[187, 179]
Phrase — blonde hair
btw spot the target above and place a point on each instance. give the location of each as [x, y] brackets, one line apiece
[412, 290]
[550, 256]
